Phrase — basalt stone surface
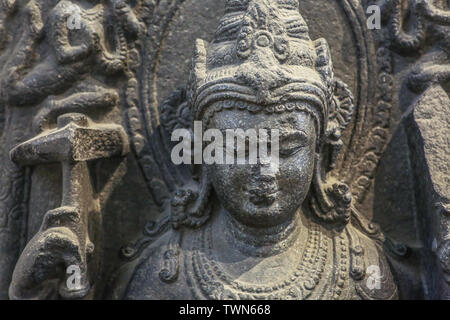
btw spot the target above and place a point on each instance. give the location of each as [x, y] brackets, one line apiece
[91, 92]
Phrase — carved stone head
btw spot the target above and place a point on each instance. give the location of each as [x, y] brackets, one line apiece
[262, 71]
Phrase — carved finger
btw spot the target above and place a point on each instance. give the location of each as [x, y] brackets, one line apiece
[64, 216]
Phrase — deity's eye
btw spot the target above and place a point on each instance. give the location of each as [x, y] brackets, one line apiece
[244, 146]
[293, 142]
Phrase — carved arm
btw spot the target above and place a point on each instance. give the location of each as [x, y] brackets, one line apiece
[128, 18]
[65, 52]
[67, 235]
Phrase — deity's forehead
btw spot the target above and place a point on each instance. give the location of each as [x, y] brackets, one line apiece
[283, 122]
[284, 117]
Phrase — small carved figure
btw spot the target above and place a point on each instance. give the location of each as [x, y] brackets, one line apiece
[69, 79]
[75, 49]
[433, 68]
[426, 19]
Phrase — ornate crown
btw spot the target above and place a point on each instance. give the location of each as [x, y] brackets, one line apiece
[262, 56]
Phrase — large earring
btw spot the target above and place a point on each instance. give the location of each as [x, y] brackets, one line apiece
[187, 208]
[330, 199]
[191, 209]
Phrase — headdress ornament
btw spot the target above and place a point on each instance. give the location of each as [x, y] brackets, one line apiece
[262, 56]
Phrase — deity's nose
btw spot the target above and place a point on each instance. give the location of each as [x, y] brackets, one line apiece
[266, 167]
[264, 173]
[263, 186]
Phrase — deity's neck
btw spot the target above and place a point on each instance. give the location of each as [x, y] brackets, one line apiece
[261, 242]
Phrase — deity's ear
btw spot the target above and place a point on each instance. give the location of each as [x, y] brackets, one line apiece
[330, 199]
[340, 107]
[191, 207]
[340, 113]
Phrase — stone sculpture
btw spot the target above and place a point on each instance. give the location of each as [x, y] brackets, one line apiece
[83, 119]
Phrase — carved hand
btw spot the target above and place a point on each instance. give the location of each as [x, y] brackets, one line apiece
[79, 52]
[127, 17]
[41, 269]
[64, 239]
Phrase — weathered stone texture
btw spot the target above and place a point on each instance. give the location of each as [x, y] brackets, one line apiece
[91, 92]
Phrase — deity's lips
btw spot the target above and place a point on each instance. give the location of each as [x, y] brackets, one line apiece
[263, 200]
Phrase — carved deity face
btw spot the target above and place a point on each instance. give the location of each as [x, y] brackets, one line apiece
[269, 197]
